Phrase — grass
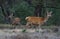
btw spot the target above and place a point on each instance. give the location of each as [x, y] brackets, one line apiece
[10, 26]
[5, 26]
[48, 27]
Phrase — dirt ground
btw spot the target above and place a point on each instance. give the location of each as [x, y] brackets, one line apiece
[29, 34]
[17, 33]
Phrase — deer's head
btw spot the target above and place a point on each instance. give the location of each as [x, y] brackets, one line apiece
[49, 14]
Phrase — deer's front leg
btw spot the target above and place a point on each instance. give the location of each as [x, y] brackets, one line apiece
[28, 24]
[39, 27]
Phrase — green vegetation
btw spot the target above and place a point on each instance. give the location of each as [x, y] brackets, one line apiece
[21, 9]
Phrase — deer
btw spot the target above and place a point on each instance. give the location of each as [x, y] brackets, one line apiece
[16, 22]
[37, 20]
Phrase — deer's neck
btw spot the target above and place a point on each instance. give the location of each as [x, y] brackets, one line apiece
[46, 18]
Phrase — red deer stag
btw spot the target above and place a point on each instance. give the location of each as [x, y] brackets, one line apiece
[37, 20]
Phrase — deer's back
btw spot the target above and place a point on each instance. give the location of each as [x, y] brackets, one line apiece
[35, 19]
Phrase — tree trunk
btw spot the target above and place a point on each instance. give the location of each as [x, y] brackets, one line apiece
[38, 9]
[6, 11]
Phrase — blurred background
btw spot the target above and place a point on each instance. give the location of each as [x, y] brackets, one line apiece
[24, 8]
[11, 9]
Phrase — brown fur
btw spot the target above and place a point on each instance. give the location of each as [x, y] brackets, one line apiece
[35, 20]
[16, 21]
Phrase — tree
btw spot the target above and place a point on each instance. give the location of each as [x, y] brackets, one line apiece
[5, 6]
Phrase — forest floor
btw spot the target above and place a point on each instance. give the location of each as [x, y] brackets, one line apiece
[7, 33]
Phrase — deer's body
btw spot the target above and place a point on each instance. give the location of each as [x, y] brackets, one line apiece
[16, 21]
[37, 20]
